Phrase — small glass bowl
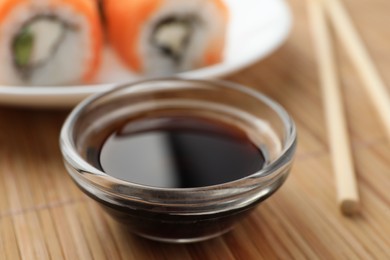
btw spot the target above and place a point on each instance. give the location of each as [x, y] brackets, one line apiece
[180, 214]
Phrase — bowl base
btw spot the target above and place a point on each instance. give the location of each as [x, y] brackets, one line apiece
[184, 240]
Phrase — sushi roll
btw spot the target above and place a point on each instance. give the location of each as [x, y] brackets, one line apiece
[49, 42]
[161, 37]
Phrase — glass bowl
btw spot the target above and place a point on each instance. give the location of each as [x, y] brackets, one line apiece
[179, 214]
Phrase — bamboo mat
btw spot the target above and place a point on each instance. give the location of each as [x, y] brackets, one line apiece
[44, 216]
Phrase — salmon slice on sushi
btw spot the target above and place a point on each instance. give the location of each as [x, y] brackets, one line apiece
[162, 37]
[49, 42]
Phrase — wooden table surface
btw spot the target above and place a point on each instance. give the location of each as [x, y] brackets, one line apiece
[43, 215]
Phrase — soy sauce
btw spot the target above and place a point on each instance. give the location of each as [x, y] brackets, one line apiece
[179, 152]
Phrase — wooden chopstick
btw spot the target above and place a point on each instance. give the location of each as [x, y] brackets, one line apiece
[348, 197]
[375, 86]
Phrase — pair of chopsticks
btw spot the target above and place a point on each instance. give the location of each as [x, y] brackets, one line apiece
[320, 10]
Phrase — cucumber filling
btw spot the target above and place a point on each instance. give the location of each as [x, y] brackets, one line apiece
[23, 46]
[172, 37]
[36, 43]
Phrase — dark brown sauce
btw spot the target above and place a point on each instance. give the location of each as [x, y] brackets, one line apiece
[179, 152]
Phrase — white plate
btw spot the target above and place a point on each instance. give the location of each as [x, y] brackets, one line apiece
[257, 28]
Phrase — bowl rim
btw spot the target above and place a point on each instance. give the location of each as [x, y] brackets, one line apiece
[100, 179]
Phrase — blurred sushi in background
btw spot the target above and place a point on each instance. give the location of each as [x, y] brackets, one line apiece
[49, 42]
[60, 42]
[162, 37]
